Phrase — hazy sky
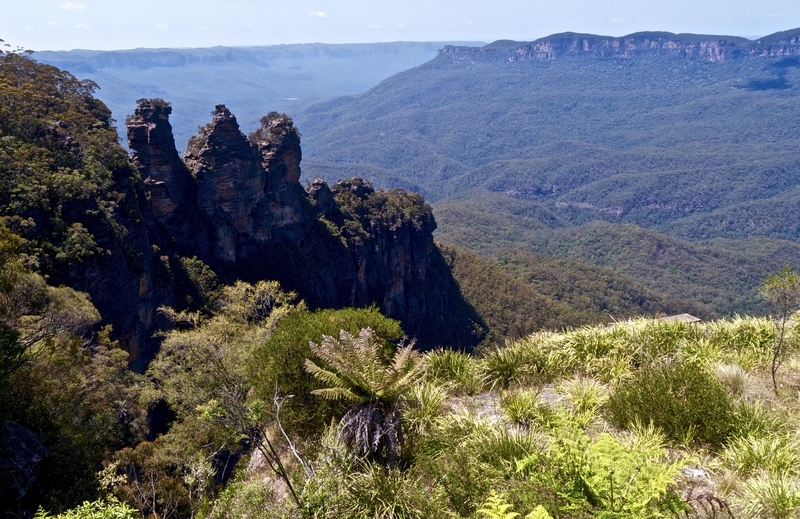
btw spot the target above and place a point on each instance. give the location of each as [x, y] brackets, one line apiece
[124, 24]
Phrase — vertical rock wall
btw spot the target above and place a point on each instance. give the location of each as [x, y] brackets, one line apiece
[237, 203]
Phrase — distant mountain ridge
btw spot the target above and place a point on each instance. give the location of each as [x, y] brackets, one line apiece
[250, 80]
[696, 46]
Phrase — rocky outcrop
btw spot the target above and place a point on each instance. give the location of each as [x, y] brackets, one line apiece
[150, 138]
[248, 190]
[692, 46]
[391, 250]
[21, 453]
[250, 218]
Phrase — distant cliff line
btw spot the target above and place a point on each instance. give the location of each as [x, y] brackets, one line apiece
[640, 44]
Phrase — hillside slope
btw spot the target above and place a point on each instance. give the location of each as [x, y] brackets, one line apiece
[519, 145]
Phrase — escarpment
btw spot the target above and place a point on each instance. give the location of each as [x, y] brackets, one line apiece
[693, 46]
[236, 203]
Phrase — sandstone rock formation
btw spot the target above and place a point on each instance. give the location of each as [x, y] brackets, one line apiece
[237, 203]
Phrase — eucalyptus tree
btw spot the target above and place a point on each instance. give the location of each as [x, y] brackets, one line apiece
[782, 291]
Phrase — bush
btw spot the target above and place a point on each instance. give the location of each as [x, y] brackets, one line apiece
[103, 509]
[278, 364]
[604, 477]
[682, 399]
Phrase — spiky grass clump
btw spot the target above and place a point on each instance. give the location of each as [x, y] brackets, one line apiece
[734, 377]
[587, 397]
[775, 454]
[523, 406]
[754, 419]
[747, 341]
[424, 404]
[519, 362]
[770, 496]
[455, 368]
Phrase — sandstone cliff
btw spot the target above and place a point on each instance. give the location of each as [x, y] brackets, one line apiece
[236, 203]
[693, 46]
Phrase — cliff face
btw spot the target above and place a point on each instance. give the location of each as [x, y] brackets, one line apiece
[692, 46]
[237, 204]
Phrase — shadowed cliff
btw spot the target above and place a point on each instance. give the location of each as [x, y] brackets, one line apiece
[236, 203]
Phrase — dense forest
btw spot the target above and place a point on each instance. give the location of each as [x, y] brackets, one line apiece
[695, 157]
[168, 350]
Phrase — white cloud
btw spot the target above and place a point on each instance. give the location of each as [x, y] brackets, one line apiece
[371, 26]
[161, 26]
[318, 14]
[83, 26]
[401, 25]
[245, 24]
[28, 27]
[204, 28]
[69, 5]
[54, 24]
[616, 20]
[470, 22]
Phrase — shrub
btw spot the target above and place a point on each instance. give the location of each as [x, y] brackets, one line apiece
[101, 509]
[605, 477]
[681, 398]
[278, 364]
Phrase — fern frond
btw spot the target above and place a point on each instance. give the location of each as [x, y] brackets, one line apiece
[337, 393]
[323, 375]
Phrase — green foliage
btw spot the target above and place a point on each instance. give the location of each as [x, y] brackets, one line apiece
[775, 454]
[375, 386]
[454, 368]
[603, 476]
[278, 363]
[681, 398]
[203, 372]
[517, 362]
[587, 397]
[770, 495]
[524, 407]
[496, 508]
[102, 509]
[755, 419]
[360, 371]
[64, 179]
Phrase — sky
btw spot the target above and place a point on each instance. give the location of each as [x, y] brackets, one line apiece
[126, 24]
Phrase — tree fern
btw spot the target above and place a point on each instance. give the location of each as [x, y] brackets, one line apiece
[356, 370]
